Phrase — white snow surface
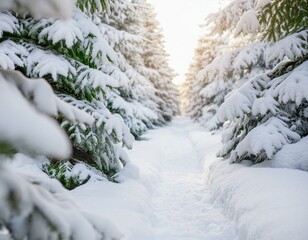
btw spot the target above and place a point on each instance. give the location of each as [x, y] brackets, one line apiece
[293, 156]
[170, 200]
[248, 23]
[182, 192]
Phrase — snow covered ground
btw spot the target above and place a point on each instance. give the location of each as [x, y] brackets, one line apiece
[176, 189]
[170, 200]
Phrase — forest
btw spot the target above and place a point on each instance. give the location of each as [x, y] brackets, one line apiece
[98, 142]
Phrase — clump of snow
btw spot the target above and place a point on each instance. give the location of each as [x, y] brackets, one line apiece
[249, 56]
[211, 89]
[290, 47]
[102, 48]
[41, 63]
[95, 78]
[62, 30]
[52, 212]
[264, 104]
[293, 87]
[36, 131]
[85, 24]
[7, 22]
[294, 156]
[115, 124]
[268, 137]
[10, 53]
[219, 68]
[130, 171]
[241, 100]
[248, 23]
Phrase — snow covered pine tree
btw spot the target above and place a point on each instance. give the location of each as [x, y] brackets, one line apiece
[135, 101]
[264, 106]
[76, 60]
[32, 208]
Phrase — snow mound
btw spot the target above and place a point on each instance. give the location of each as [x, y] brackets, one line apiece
[265, 203]
[294, 156]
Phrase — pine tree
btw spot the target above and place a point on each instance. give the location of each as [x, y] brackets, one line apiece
[157, 69]
[135, 99]
[209, 48]
[75, 59]
[268, 111]
[263, 108]
[30, 207]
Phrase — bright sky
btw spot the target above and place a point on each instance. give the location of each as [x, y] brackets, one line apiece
[180, 20]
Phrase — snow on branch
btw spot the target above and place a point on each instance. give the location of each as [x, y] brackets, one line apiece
[62, 30]
[95, 78]
[219, 68]
[11, 55]
[41, 63]
[249, 56]
[293, 86]
[42, 96]
[291, 47]
[41, 209]
[265, 139]
[22, 126]
[115, 124]
[248, 23]
[7, 23]
[265, 104]
[241, 100]
[79, 33]
[112, 124]
[210, 90]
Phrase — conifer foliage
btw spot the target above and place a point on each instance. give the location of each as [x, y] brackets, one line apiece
[75, 85]
[256, 82]
[95, 60]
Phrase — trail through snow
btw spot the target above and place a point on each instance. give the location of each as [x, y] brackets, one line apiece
[182, 203]
[164, 192]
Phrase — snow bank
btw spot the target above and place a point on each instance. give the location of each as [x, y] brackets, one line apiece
[45, 209]
[206, 144]
[265, 203]
[294, 156]
[128, 205]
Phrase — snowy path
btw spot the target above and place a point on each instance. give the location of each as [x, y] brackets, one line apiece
[182, 203]
[168, 197]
